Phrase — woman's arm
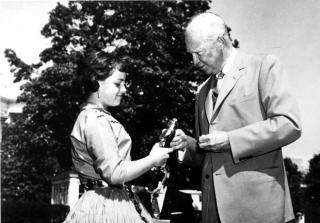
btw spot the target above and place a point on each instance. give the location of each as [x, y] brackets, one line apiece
[133, 169]
[102, 145]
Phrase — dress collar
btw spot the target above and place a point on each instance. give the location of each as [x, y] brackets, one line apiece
[90, 105]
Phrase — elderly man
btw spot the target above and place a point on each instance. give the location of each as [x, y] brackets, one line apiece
[244, 115]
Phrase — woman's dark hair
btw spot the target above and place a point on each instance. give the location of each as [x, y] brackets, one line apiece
[94, 67]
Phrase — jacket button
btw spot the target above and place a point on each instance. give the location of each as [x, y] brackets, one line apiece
[207, 176]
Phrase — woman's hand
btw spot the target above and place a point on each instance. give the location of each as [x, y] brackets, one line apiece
[159, 155]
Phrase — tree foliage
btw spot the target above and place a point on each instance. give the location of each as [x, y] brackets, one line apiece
[161, 82]
[313, 180]
[295, 180]
[312, 194]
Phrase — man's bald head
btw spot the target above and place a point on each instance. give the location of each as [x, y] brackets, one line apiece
[208, 41]
[205, 26]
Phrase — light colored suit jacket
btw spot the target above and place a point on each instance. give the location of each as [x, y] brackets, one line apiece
[260, 116]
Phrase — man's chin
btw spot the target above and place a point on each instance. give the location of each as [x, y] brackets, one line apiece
[208, 72]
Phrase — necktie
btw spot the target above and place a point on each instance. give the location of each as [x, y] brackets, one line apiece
[219, 76]
[155, 205]
[213, 93]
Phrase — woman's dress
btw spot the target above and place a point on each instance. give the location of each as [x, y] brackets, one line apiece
[100, 153]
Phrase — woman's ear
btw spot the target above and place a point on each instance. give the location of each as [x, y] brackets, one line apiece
[100, 82]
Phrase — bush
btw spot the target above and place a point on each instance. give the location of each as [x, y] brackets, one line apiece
[32, 211]
[312, 210]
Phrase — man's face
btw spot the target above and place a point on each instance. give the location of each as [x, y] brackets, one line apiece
[207, 53]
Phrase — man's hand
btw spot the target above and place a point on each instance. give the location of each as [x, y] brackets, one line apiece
[179, 142]
[217, 141]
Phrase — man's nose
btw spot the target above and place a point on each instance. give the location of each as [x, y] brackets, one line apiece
[195, 59]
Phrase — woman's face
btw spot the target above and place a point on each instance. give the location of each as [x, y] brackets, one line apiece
[112, 89]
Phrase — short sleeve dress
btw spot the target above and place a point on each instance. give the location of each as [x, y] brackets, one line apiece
[101, 145]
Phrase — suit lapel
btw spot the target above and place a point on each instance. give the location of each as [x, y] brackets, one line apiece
[230, 80]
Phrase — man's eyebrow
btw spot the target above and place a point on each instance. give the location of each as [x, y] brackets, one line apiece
[191, 50]
[195, 51]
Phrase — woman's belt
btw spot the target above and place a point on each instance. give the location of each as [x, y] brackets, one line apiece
[91, 184]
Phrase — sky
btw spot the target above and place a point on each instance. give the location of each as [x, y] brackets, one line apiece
[20, 24]
[289, 29]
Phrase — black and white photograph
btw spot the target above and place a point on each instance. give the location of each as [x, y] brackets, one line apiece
[171, 111]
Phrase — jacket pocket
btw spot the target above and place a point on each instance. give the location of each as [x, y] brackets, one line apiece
[242, 98]
[261, 175]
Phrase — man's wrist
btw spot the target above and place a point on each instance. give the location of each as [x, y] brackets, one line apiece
[227, 145]
[223, 144]
[191, 143]
[227, 141]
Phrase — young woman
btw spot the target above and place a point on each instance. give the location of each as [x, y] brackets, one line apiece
[101, 150]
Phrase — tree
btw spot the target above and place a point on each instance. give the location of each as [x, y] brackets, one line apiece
[162, 83]
[295, 180]
[312, 195]
[313, 179]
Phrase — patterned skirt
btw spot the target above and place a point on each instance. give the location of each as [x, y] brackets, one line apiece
[108, 204]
